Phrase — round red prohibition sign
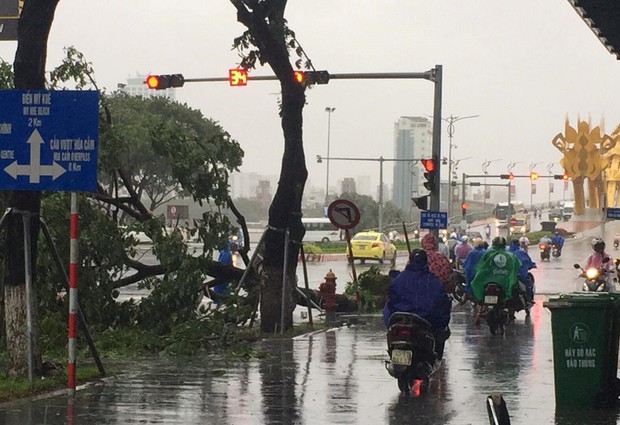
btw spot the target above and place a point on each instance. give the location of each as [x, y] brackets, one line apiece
[343, 214]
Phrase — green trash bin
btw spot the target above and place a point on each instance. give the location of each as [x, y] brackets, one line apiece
[585, 328]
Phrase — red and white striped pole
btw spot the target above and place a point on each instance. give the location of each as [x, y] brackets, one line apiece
[73, 293]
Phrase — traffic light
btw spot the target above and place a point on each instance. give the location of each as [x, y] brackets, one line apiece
[311, 77]
[237, 77]
[533, 175]
[464, 208]
[161, 82]
[508, 176]
[560, 176]
[430, 175]
[421, 202]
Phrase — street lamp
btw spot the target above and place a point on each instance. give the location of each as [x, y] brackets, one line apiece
[550, 170]
[485, 166]
[329, 126]
[532, 184]
[381, 160]
[451, 120]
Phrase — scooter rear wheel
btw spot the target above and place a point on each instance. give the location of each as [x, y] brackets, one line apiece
[405, 381]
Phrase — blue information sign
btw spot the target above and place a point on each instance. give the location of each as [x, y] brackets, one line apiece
[49, 140]
[433, 220]
[613, 213]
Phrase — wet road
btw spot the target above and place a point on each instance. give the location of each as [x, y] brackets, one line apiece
[333, 377]
[338, 376]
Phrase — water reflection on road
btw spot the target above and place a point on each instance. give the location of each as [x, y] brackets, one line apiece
[332, 377]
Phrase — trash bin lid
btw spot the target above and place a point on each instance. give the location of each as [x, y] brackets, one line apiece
[583, 299]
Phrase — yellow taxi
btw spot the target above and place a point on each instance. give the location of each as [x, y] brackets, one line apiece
[372, 246]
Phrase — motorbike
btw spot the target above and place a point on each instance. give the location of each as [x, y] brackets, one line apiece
[556, 251]
[411, 347]
[499, 311]
[545, 251]
[458, 285]
[598, 279]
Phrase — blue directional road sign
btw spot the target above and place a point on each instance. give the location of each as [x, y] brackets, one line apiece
[613, 213]
[49, 140]
[433, 220]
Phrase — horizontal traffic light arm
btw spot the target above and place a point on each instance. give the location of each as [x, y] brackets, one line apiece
[427, 75]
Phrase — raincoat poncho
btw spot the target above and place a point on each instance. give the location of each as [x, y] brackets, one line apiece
[499, 266]
[438, 264]
[416, 290]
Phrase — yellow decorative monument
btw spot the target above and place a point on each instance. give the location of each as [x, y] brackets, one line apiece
[612, 173]
[585, 152]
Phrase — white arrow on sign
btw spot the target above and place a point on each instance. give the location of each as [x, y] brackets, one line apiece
[35, 170]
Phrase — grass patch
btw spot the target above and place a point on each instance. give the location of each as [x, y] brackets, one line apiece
[15, 388]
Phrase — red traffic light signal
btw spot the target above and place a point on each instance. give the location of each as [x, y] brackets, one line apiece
[429, 165]
[464, 208]
[533, 176]
[162, 82]
[238, 77]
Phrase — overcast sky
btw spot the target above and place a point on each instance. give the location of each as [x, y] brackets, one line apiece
[522, 66]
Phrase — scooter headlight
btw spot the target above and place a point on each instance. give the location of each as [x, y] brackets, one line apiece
[592, 273]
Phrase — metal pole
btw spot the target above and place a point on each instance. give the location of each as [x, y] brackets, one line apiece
[380, 194]
[509, 216]
[284, 272]
[450, 133]
[81, 317]
[436, 144]
[329, 125]
[73, 292]
[305, 269]
[29, 292]
[358, 296]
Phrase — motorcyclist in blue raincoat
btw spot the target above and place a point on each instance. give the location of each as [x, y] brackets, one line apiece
[470, 263]
[557, 240]
[526, 264]
[416, 290]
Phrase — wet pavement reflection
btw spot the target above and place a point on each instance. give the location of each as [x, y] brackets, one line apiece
[330, 377]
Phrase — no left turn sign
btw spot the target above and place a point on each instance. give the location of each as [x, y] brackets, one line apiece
[343, 214]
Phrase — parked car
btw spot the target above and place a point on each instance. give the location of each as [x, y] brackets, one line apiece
[555, 214]
[372, 246]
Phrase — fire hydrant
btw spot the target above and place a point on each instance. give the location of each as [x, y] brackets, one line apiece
[328, 292]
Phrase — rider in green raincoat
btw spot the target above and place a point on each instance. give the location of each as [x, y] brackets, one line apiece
[496, 265]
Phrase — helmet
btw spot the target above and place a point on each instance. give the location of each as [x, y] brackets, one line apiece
[498, 242]
[478, 242]
[418, 256]
[514, 242]
[465, 238]
[598, 244]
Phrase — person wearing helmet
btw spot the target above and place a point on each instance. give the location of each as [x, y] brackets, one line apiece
[462, 250]
[526, 265]
[595, 260]
[496, 265]
[470, 263]
[557, 240]
[417, 290]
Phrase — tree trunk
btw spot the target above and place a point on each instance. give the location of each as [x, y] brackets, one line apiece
[34, 27]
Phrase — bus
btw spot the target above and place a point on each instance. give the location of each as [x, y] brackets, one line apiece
[502, 210]
[320, 230]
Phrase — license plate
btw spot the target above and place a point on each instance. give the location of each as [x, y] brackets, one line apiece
[361, 247]
[401, 357]
[490, 299]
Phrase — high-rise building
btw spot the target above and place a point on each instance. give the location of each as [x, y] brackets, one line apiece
[136, 86]
[412, 140]
[348, 185]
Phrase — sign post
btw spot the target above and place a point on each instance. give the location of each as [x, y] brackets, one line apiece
[345, 215]
[49, 141]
